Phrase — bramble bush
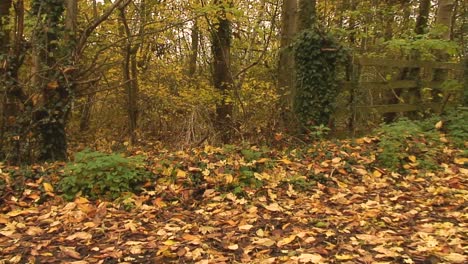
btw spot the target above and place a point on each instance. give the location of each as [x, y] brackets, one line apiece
[100, 175]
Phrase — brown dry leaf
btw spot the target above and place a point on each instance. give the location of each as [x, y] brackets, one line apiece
[80, 236]
[455, 258]
[70, 252]
[53, 85]
[34, 231]
[245, 227]
[286, 240]
[264, 242]
[309, 258]
[274, 207]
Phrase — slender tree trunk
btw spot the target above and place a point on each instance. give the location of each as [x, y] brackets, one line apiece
[130, 76]
[444, 17]
[194, 49]
[389, 19]
[444, 21]
[4, 79]
[222, 77]
[352, 22]
[286, 86]
[423, 16]
[307, 14]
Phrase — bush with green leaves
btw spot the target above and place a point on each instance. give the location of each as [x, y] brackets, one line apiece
[457, 127]
[100, 175]
[405, 138]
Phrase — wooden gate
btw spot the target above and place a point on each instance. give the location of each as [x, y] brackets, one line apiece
[379, 90]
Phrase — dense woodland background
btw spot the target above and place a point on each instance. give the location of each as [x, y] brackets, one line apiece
[105, 74]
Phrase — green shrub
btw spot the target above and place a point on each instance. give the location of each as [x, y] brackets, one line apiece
[405, 138]
[97, 174]
[457, 127]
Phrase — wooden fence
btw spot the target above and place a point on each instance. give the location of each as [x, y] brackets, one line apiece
[379, 89]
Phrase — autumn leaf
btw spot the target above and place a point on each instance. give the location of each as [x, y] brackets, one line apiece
[264, 242]
[70, 252]
[286, 240]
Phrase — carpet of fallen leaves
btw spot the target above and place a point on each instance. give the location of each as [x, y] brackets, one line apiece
[356, 213]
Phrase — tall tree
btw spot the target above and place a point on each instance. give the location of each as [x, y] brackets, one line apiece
[423, 16]
[222, 76]
[444, 17]
[286, 59]
[4, 48]
[306, 14]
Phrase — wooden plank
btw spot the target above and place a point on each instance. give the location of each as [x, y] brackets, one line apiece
[389, 85]
[383, 62]
[397, 108]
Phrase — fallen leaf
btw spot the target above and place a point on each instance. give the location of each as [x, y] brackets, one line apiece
[48, 187]
[233, 247]
[455, 258]
[34, 231]
[274, 207]
[286, 240]
[245, 227]
[70, 252]
[80, 236]
[264, 242]
[309, 258]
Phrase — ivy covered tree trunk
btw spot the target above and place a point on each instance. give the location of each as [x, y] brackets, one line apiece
[51, 110]
[222, 78]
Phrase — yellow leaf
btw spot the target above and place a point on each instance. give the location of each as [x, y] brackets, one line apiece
[286, 240]
[412, 158]
[377, 173]
[181, 174]
[344, 257]
[169, 242]
[461, 161]
[439, 125]
[48, 187]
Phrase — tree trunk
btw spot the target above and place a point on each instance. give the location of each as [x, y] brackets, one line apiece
[306, 14]
[222, 77]
[423, 16]
[194, 49]
[286, 87]
[50, 116]
[5, 125]
[444, 21]
[444, 17]
[130, 76]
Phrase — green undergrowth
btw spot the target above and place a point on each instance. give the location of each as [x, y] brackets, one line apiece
[245, 170]
[101, 175]
[422, 142]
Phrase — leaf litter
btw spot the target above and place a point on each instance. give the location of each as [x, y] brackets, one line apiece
[333, 205]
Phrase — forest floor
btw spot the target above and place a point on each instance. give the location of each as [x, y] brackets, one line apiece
[323, 204]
